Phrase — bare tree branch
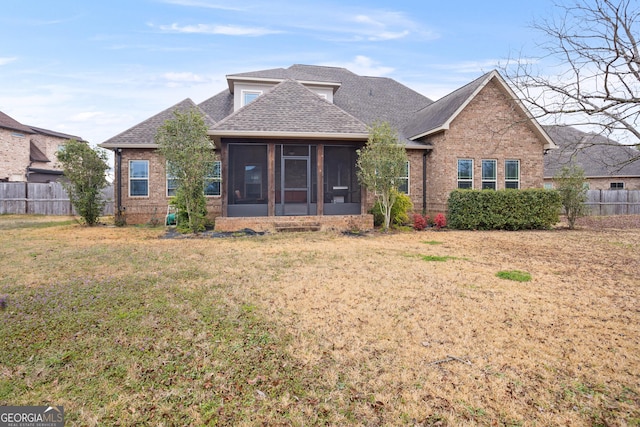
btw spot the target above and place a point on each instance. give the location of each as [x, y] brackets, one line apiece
[594, 45]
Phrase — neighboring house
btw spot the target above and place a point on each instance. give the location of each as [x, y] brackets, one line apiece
[607, 164]
[28, 153]
[287, 140]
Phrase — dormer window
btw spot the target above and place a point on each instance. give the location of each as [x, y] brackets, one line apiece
[248, 96]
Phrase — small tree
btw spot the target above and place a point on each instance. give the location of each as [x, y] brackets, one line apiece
[380, 163]
[570, 183]
[84, 171]
[183, 141]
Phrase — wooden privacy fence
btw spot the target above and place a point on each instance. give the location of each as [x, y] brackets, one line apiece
[42, 199]
[613, 202]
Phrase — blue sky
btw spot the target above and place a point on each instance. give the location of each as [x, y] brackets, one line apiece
[96, 68]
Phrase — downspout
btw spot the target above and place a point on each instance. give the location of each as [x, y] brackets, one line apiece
[119, 209]
[424, 182]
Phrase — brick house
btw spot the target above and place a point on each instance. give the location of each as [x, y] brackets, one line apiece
[287, 141]
[607, 164]
[28, 153]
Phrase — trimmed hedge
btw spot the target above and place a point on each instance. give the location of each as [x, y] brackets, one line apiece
[503, 209]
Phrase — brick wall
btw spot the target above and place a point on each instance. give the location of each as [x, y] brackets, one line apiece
[14, 155]
[49, 146]
[143, 209]
[491, 127]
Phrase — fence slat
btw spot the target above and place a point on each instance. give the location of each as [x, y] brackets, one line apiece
[42, 199]
[613, 202]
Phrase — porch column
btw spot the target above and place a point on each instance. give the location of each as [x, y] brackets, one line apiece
[320, 180]
[224, 154]
[271, 179]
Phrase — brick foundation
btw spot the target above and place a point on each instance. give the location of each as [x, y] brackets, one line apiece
[270, 223]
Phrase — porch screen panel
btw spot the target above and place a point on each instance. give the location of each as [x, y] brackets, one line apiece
[342, 194]
[247, 184]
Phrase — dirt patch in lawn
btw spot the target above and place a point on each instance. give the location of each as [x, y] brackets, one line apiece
[401, 329]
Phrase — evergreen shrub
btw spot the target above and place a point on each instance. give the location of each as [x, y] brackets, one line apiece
[503, 209]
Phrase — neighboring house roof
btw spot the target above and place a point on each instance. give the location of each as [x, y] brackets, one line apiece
[7, 122]
[598, 155]
[48, 132]
[143, 134]
[438, 116]
[291, 110]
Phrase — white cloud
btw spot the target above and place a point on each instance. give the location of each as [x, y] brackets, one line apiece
[379, 25]
[226, 30]
[5, 60]
[364, 66]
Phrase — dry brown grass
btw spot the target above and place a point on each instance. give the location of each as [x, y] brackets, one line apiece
[378, 323]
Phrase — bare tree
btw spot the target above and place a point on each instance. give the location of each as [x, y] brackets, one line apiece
[592, 46]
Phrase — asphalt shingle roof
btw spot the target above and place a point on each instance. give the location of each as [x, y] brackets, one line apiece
[7, 122]
[290, 107]
[596, 154]
[35, 154]
[358, 101]
[48, 132]
[145, 132]
[369, 99]
[438, 113]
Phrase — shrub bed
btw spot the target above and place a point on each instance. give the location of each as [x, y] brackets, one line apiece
[503, 209]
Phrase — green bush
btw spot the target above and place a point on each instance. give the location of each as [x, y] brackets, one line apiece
[503, 209]
[399, 211]
[199, 212]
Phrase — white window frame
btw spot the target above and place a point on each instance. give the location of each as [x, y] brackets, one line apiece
[406, 178]
[138, 178]
[464, 180]
[244, 94]
[508, 180]
[171, 190]
[493, 181]
[214, 177]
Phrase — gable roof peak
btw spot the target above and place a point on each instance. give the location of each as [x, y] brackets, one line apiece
[290, 109]
[143, 134]
[437, 117]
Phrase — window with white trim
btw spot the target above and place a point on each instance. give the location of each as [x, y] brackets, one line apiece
[403, 181]
[512, 174]
[213, 179]
[138, 178]
[489, 174]
[172, 183]
[248, 96]
[548, 186]
[211, 184]
[465, 173]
